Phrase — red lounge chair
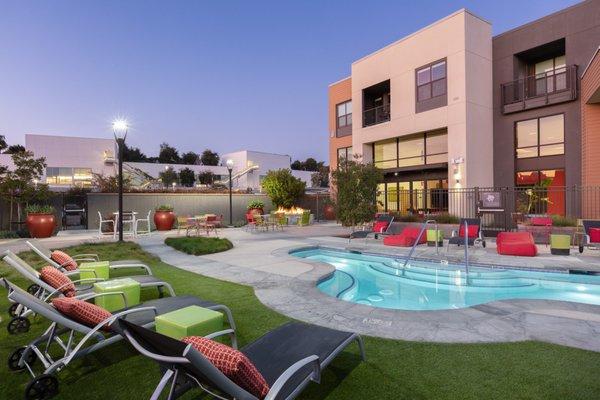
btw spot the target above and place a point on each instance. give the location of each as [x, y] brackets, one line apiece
[383, 223]
[406, 238]
[591, 237]
[516, 244]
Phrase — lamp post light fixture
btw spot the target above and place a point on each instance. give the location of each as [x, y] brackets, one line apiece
[120, 129]
[229, 164]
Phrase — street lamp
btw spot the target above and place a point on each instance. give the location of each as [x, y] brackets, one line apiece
[229, 164]
[120, 128]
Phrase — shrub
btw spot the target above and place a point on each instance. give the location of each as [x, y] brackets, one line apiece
[283, 188]
[558, 220]
[256, 204]
[164, 207]
[39, 209]
[9, 235]
[407, 218]
[445, 218]
[187, 177]
[198, 246]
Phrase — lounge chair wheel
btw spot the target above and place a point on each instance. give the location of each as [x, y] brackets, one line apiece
[580, 249]
[483, 244]
[33, 289]
[41, 388]
[18, 325]
[12, 310]
[15, 356]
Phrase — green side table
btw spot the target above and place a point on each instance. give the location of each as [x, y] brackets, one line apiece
[431, 237]
[189, 321]
[89, 270]
[560, 245]
[128, 286]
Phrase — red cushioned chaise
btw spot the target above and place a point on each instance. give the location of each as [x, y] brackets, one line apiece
[406, 238]
[516, 244]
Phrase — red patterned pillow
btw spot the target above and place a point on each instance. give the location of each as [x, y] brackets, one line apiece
[81, 311]
[57, 279]
[234, 364]
[64, 260]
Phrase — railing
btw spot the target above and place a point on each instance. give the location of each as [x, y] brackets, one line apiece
[376, 115]
[466, 244]
[549, 88]
[412, 249]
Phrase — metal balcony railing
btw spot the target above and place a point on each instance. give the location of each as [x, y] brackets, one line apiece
[376, 115]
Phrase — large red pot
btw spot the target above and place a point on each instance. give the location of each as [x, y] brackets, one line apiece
[255, 211]
[40, 225]
[164, 220]
[329, 211]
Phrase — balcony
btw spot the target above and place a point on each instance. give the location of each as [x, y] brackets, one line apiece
[376, 104]
[557, 86]
[376, 115]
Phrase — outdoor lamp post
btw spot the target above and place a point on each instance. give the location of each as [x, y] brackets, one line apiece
[229, 164]
[120, 131]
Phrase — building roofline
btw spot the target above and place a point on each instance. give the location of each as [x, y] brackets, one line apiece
[591, 61]
[340, 81]
[535, 21]
[439, 21]
[67, 137]
[257, 151]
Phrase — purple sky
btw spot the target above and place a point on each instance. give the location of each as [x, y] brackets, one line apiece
[197, 74]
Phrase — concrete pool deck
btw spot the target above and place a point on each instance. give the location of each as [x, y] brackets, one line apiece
[287, 284]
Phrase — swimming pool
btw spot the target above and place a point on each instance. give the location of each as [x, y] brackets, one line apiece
[380, 281]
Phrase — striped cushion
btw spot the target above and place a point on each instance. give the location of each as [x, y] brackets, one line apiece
[64, 260]
[232, 363]
[57, 279]
[83, 312]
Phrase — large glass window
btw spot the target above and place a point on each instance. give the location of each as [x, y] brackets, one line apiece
[386, 154]
[550, 75]
[431, 81]
[69, 176]
[540, 137]
[344, 114]
[428, 148]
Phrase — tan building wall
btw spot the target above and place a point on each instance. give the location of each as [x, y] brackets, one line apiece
[590, 123]
[339, 92]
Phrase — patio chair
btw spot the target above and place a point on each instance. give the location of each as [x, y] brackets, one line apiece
[288, 358]
[260, 222]
[304, 218]
[250, 222]
[474, 233]
[65, 265]
[186, 223]
[128, 224]
[68, 339]
[108, 222]
[145, 221]
[591, 236]
[381, 227]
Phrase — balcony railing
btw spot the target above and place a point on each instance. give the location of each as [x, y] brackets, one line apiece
[539, 90]
[376, 115]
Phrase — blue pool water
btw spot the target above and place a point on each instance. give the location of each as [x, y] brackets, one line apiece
[381, 281]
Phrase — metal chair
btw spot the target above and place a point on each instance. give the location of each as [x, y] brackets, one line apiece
[146, 220]
[105, 221]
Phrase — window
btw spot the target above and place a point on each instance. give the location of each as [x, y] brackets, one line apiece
[69, 176]
[431, 81]
[550, 75]
[427, 148]
[411, 152]
[386, 153]
[540, 137]
[344, 154]
[344, 114]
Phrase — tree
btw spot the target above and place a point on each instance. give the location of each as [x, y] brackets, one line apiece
[187, 177]
[209, 157]
[321, 177]
[310, 164]
[297, 165]
[133, 154]
[15, 148]
[3, 144]
[168, 154]
[206, 178]
[355, 189]
[168, 177]
[110, 183]
[190, 158]
[283, 188]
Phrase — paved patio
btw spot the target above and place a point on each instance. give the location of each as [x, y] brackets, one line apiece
[288, 285]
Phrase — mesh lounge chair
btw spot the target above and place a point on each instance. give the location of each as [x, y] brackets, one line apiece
[45, 253]
[42, 290]
[474, 234]
[382, 226]
[73, 340]
[589, 240]
[288, 358]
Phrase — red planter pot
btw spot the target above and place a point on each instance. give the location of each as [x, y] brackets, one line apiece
[40, 225]
[329, 212]
[255, 211]
[164, 220]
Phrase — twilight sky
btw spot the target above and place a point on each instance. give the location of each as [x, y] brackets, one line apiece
[223, 75]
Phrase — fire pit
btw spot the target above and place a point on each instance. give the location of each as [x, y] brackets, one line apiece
[293, 214]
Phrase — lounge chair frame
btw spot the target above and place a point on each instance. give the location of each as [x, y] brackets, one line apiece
[459, 241]
[587, 225]
[366, 234]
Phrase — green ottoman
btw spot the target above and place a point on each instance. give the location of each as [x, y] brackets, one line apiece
[431, 237]
[89, 270]
[115, 302]
[560, 245]
[189, 321]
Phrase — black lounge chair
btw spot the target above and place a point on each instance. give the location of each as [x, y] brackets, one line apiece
[585, 240]
[364, 234]
[288, 357]
[459, 240]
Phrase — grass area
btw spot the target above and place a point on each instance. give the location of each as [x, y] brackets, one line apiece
[394, 369]
[198, 246]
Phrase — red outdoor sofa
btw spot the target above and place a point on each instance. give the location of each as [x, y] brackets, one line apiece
[516, 244]
[406, 238]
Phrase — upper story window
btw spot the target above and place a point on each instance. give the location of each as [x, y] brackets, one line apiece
[427, 148]
[344, 118]
[431, 86]
[344, 154]
[69, 176]
[541, 137]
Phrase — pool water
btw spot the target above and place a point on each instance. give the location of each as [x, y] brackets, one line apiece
[381, 281]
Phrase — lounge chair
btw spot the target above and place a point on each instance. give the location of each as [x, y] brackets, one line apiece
[516, 244]
[75, 340]
[382, 226]
[288, 358]
[591, 237]
[474, 234]
[46, 254]
[406, 238]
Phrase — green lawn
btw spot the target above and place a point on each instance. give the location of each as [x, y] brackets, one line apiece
[198, 246]
[394, 369]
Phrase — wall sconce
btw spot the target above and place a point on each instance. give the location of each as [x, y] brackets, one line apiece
[456, 168]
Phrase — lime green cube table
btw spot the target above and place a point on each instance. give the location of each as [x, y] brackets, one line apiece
[431, 237]
[90, 270]
[128, 286]
[560, 244]
[189, 321]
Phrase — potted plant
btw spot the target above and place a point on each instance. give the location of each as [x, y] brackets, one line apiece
[164, 217]
[256, 206]
[40, 220]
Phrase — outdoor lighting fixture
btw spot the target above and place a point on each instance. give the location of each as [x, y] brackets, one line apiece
[456, 168]
[229, 164]
[173, 184]
[120, 129]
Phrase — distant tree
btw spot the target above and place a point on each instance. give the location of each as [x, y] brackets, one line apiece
[206, 178]
[209, 157]
[168, 154]
[187, 177]
[283, 188]
[311, 164]
[3, 144]
[110, 183]
[133, 154]
[14, 149]
[168, 177]
[297, 165]
[190, 158]
[321, 177]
